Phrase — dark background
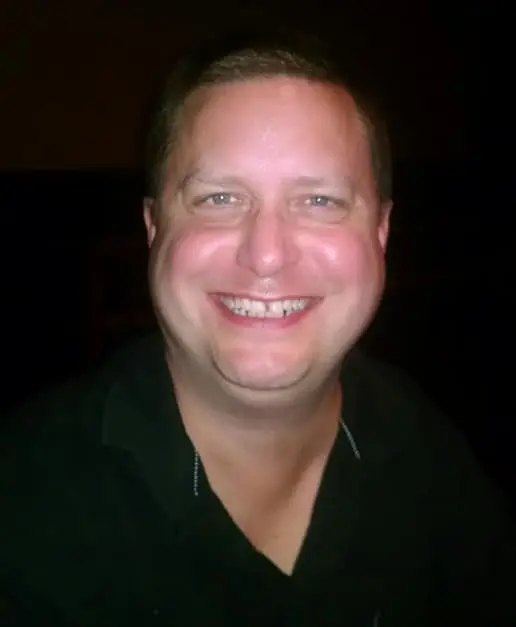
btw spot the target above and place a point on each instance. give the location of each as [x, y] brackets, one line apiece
[75, 81]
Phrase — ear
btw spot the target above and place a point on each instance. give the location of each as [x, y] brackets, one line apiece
[384, 222]
[148, 217]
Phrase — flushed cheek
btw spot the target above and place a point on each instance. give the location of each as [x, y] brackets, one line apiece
[190, 257]
[351, 258]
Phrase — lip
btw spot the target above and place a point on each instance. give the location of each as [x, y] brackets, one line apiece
[265, 299]
[263, 323]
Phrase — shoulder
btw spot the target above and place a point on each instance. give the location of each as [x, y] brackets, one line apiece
[48, 450]
[62, 489]
[431, 476]
[72, 412]
[46, 444]
[52, 446]
[423, 457]
[394, 405]
[67, 415]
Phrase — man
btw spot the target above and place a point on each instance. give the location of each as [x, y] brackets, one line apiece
[249, 467]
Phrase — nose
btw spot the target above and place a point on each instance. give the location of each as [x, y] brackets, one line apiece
[267, 245]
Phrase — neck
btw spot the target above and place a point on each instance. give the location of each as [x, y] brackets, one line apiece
[271, 442]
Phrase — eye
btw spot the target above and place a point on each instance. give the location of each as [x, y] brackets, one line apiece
[220, 199]
[323, 208]
[320, 201]
[219, 206]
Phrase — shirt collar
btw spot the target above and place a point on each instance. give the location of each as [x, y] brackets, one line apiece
[141, 417]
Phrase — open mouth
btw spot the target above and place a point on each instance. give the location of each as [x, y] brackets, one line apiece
[265, 309]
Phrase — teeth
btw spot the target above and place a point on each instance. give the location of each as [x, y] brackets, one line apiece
[262, 309]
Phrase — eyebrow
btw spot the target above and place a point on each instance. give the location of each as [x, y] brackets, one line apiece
[315, 181]
[185, 181]
[194, 176]
[299, 181]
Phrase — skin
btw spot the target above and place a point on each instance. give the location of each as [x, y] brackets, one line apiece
[269, 194]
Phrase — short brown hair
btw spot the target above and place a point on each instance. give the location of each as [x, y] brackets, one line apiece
[243, 56]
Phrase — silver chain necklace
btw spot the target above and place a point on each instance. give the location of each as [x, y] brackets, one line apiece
[197, 461]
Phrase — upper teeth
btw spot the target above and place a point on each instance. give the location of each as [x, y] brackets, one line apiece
[263, 309]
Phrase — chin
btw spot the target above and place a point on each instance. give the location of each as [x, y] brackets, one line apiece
[259, 397]
[255, 381]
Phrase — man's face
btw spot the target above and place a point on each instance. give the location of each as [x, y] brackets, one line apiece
[267, 250]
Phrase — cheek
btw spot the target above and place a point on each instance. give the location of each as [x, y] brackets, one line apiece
[188, 255]
[350, 258]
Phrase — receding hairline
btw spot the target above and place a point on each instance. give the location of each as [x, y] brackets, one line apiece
[251, 58]
[190, 109]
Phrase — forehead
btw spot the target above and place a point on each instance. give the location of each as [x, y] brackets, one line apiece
[271, 126]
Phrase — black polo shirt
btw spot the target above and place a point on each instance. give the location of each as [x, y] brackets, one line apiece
[101, 525]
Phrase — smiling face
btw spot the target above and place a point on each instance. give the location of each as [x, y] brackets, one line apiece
[267, 248]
